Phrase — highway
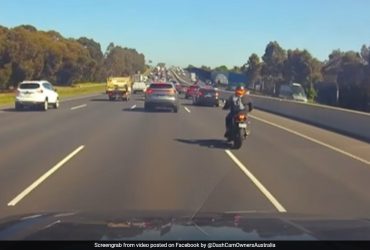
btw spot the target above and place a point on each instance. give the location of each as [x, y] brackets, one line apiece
[101, 156]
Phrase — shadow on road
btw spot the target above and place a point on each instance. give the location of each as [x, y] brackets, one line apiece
[209, 143]
[103, 100]
[141, 109]
[107, 100]
[28, 109]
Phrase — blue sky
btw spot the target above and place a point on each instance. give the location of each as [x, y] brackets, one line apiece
[201, 32]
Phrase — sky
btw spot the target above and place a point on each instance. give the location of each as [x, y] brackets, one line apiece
[201, 32]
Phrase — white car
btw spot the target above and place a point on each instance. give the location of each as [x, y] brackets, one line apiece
[36, 93]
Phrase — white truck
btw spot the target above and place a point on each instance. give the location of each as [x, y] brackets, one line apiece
[139, 87]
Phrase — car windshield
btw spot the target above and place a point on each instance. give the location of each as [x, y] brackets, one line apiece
[298, 91]
[123, 120]
[29, 86]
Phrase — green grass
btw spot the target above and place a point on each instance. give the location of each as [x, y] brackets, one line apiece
[76, 90]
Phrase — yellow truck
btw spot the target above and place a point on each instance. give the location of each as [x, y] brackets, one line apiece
[119, 88]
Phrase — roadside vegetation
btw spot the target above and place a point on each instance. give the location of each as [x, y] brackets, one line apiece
[343, 79]
[27, 53]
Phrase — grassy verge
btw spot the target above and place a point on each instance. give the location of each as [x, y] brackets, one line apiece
[76, 90]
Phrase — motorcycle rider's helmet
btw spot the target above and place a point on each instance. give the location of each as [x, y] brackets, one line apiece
[240, 90]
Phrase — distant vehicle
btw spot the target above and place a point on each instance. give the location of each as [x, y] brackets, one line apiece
[36, 93]
[178, 87]
[138, 87]
[161, 95]
[182, 89]
[206, 96]
[190, 91]
[292, 91]
[118, 87]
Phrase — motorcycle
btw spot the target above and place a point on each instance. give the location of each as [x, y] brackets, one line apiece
[239, 129]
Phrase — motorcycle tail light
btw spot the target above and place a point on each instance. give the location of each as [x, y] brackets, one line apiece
[241, 117]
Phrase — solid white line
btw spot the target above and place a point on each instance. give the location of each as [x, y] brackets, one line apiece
[134, 106]
[314, 140]
[78, 107]
[256, 182]
[31, 217]
[187, 109]
[44, 177]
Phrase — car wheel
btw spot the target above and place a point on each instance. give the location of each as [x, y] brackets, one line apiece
[146, 108]
[56, 104]
[175, 109]
[45, 105]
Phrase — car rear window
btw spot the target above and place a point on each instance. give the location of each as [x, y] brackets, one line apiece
[161, 86]
[29, 86]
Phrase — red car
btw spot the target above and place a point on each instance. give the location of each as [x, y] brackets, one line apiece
[191, 91]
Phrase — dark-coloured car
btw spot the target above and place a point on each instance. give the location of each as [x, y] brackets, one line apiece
[206, 96]
[191, 90]
[161, 95]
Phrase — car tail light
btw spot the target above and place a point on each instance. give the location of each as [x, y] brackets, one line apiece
[171, 91]
[149, 91]
[200, 93]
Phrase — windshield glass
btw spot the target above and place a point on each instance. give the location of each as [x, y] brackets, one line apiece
[128, 116]
[29, 86]
[298, 91]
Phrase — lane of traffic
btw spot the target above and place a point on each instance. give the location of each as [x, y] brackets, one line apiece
[146, 161]
[289, 165]
[28, 152]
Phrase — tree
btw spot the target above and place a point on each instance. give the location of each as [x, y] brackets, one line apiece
[236, 69]
[302, 68]
[272, 67]
[365, 54]
[253, 69]
[206, 68]
[26, 53]
[222, 68]
[349, 72]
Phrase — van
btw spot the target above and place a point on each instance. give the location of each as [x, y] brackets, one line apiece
[293, 91]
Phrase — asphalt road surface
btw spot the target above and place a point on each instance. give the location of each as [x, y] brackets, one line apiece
[101, 156]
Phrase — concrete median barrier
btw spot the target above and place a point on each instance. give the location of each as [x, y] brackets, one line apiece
[348, 122]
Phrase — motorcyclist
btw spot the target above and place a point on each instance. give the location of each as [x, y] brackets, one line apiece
[239, 101]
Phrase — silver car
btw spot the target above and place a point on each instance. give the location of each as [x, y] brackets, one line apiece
[161, 95]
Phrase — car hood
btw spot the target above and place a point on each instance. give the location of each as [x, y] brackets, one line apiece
[180, 226]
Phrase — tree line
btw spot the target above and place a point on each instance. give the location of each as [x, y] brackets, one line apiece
[27, 53]
[343, 79]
